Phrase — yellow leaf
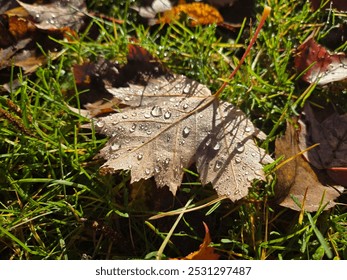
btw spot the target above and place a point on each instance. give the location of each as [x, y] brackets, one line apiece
[198, 13]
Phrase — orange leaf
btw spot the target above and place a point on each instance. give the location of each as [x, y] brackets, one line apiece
[198, 13]
[205, 252]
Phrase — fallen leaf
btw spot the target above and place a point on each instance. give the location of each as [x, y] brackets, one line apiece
[331, 134]
[205, 252]
[319, 65]
[197, 13]
[204, 12]
[297, 178]
[171, 122]
[57, 14]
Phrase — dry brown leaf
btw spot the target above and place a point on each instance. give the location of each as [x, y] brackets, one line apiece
[296, 177]
[173, 122]
[205, 252]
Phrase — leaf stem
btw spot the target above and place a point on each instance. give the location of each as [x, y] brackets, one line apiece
[264, 16]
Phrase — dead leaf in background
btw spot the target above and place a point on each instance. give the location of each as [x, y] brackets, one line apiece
[57, 14]
[172, 122]
[197, 13]
[320, 65]
[205, 252]
[296, 177]
[331, 134]
[26, 31]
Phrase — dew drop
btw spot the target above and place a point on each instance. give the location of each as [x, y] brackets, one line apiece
[156, 111]
[218, 165]
[133, 127]
[185, 106]
[124, 117]
[168, 138]
[248, 129]
[186, 131]
[100, 123]
[148, 132]
[167, 115]
[237, 160]
[208, 142]
[216, 147]
[240, 147]
[147, 116]
[139, 156]
[157, 169]
[186, 89]
[147, 171]
[115, 147]
[167, 161]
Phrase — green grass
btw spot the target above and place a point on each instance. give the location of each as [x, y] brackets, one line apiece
[55, 205]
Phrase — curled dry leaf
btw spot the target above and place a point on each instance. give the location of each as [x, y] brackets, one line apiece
[205, 252]
[296, 177]
[331, 134]
[319, 65]
[171, 123]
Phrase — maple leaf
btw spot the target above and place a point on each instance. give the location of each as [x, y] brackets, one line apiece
[171, 122]
[319, 65]
[297, 178]
[205, 252]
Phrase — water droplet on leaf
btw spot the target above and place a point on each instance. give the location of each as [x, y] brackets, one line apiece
[156, 111]
[218, 165]
[186, 131]
[216, 147]
[115, 147]
[100, 123]
[167, 115]
[240, 147]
